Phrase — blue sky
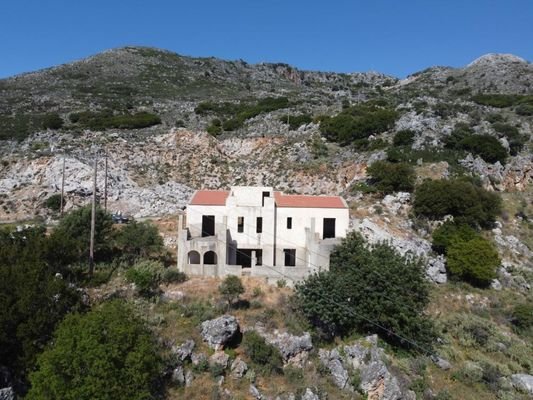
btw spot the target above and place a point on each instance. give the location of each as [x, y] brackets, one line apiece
[397, 37]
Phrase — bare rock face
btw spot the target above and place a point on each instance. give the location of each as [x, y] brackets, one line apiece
[367, 359]
[238, 368]
[219, 358]
[219, 331]
[293, 349]
[184, 351]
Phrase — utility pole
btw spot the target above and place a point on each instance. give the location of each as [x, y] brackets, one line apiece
[93, 218]
[105, 183]
[63, 187]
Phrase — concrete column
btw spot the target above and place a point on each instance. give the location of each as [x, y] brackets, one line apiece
[254, 259]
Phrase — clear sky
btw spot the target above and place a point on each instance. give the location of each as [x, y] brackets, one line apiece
[396, 37]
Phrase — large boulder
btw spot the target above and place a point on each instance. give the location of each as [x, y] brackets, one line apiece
[293, 349]
[523, 382]
[219, 358]
[220, 331]
[367, 359]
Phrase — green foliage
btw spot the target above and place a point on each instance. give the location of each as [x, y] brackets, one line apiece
[465, 201]
[524, 109]
[485, 146]
[107, 119]
[172, 275]
[522, 316]
[358, 122]
[52, 121]
[318, 147]
[231, 288]
[368, 289]
[502, 100]
[405, 137]
[264, 356]
[448, 233]
[104, 354]
[237, 114]
[32, 299]
[513, 136]
[139, 239]
[146, 275]
[74, 231]
[390, 177]
[295, 121]
[54, 202]
[474, 261]
[215, 127]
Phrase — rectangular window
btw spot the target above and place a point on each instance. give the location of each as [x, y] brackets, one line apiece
[259, 225]
[208, 225]
[290, 257]
[240, 224]
[329, 228]
[289, 222]
[265, 194]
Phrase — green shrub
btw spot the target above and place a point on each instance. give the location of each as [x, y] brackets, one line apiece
[390, 177]
[465, 201]
[368, 289]
[450, 232]
[231, 288]
[404, 138]
[524, 109]
[358, 122]
[513, 136]
[52, 121]
[172, 275]
[474, 261]
[104, 354]
[487, 147]
[139, 239]
[54, 202]
[264, 356]
[522, 316]
[107, 119]
[495, 100]
[146, 275]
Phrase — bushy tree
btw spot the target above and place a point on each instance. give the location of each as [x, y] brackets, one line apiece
[231, 288]
[464, 200]
[450, 232]
[522, 316]
[369, 289]
[146, 275]
[404, 137]
[265, 356]
[487, 147]
[75, 227]
[474, 261]
[390, 177]
[139, 239]
[52, 121]
[32, 298]
[54, 202]
[105, 354]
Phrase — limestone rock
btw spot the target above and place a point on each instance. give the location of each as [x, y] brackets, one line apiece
[523, 382]
[219, 358]
[238, 368]
[310, 395]
[256, 394]
[189, 377]
[178, 375]
[219, 331]
[333, 362]
[184, 351]
[293, 349]
[198, 358]
[442, 363]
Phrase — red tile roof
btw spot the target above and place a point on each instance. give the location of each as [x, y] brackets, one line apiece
[283, 200]
[210, 198]
[218, 198]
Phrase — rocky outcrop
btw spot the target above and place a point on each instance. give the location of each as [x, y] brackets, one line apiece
[184, 351]
[220, 331]
[219, 358]
[293, 349]
[366, 359]
[238, 368]
[408, 244]
[523, 382]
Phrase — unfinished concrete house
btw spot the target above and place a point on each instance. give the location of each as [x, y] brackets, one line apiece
[260, 232]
